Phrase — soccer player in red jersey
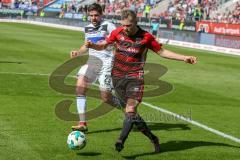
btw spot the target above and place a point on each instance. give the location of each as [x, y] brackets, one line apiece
[131, 46]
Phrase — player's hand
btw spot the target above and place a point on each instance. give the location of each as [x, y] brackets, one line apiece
[74, 54]
[190, 59]
[88, 44]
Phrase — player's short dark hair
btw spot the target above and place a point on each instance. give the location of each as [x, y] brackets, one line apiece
[126, 13]
[95, 7]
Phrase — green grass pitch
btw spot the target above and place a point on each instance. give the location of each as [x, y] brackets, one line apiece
[209, 92]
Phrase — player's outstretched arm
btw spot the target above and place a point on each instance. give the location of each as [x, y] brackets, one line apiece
[99, 46]
[172, 55]
[83, 49]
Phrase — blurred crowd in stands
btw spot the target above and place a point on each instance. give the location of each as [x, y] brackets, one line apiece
[73, 7]
[183, 10]
[200, 10]
[228, 16]
[190, 10]
[26, 5]
[141, 7]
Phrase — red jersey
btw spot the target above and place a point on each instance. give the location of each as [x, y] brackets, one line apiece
[130, 52]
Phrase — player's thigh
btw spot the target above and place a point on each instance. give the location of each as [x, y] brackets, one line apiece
[106, 95]
[134, 89]
[105, 81]
[119, 86]
[89, 72]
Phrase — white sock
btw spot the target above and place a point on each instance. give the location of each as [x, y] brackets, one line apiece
[81, 108]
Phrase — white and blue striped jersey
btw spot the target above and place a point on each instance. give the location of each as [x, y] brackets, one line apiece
[98, 34]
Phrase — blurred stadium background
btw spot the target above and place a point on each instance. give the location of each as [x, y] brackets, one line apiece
[180, 20]
[207, 93]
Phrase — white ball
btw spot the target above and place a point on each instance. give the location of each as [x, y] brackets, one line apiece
[76, 140]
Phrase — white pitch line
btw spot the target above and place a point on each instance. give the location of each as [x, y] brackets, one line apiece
[159, 109]
[33, 74]
[193, 122]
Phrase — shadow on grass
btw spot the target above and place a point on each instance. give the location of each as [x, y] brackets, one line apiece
[172, 146]
[11, 62]
[152, 126]
[167, 126]
[88, 153]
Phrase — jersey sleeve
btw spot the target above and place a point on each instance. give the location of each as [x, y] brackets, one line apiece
[152, 43]
[110, 28]
[112, 37]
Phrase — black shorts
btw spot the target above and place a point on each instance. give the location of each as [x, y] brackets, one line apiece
[130, 87]
[154, 33]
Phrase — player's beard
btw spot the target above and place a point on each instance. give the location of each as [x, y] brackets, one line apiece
[96, 23]
[129, 33]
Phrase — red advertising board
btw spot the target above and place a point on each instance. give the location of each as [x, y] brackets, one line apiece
[6, 1]
[218, 28]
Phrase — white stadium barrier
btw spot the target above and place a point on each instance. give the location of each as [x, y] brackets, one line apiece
[201, 46]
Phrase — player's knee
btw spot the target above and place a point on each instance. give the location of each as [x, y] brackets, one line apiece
[106, 97]
[81, 90]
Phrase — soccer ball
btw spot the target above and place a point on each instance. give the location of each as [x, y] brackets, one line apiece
[76, 140]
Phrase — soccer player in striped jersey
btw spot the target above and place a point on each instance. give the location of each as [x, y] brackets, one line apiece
[98, 66]
[131, 46]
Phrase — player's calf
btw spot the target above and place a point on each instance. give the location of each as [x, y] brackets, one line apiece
[142, 126]
[156, 144]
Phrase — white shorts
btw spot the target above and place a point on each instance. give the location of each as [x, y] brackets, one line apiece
[96, 72]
